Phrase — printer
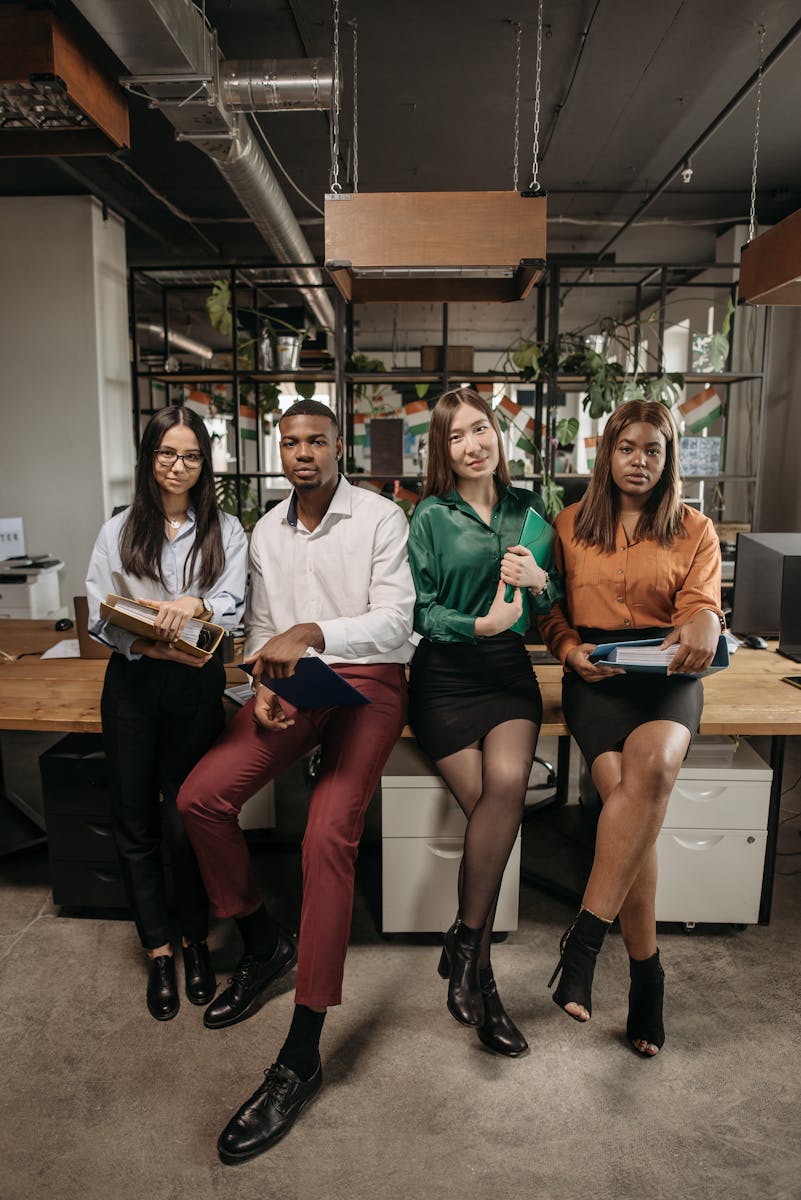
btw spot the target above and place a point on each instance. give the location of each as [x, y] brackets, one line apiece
[29, 588]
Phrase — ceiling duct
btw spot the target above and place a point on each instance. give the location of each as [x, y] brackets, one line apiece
[274, 85]
[55, 98]
[173, 56]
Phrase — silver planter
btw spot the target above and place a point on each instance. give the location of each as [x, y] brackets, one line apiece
[287, 352]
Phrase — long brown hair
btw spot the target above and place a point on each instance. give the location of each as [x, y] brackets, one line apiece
[440, 478]
[142, 538]
[661, 519]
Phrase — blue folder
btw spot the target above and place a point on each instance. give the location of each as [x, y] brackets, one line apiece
[314, 685]
[719, 662]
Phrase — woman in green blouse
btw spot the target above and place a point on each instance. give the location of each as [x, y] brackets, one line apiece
[474, 702]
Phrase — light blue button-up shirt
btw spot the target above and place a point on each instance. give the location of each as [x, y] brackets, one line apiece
[225, 597]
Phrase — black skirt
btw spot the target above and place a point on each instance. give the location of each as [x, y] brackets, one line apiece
[459, 691]
[602, 715]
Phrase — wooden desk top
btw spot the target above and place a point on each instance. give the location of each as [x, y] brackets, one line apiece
[63, 695]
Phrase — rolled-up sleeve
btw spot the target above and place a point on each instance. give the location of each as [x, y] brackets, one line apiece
[387, 624]
[104, 560]
[226, 596]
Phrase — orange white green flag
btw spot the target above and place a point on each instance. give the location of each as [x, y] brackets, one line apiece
[700, 410]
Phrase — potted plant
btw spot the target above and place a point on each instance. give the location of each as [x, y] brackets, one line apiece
[275, 347]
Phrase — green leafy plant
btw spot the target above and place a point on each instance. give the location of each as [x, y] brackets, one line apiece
[719, 346]
[361, 364]
[218, 307]
[229, 490]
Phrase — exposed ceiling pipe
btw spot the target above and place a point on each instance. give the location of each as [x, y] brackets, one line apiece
[174, 57]
[179, 340]
[276, 85]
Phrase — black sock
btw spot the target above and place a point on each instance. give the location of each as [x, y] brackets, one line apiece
[259, 935]
[301, 1050]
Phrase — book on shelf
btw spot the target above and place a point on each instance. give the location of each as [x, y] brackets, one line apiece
[646, 656]
[199, 638]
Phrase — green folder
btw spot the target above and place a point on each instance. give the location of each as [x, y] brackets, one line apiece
[538, 537]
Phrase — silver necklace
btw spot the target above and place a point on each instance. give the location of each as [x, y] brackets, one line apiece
[173, 522]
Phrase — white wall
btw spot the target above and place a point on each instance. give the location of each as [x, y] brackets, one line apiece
[65, 405]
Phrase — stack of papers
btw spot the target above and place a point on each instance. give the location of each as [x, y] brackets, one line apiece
[641, 656]
[191, 632]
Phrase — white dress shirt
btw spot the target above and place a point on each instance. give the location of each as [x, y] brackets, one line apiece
[225, 598]
[350, 576]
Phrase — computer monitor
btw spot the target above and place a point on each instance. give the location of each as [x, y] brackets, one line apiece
[767, 584]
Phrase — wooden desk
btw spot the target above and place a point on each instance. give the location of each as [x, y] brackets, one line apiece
[63, 695]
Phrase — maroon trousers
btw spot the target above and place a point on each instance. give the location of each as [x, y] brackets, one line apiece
[355, 743]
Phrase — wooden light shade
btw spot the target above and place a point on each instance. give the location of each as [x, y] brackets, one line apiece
[47, 72]
[435, 246]
[770, 266]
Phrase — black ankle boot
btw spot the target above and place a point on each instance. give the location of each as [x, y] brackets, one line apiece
[646, 994]
[579, 949]
[459, 963]
[497, 1030]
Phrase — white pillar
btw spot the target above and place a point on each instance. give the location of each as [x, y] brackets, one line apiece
[66, 440]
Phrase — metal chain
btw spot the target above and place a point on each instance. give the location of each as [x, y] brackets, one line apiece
[752, 216]
[335, 184]
[355, 24]
[518, 28]
[534, 186]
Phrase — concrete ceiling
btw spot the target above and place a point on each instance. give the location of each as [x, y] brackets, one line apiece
[627, 87]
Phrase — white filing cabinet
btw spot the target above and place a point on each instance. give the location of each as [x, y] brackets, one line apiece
[422, 831]
[712, 845]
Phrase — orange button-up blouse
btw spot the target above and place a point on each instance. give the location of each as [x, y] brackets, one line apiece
[632, 587]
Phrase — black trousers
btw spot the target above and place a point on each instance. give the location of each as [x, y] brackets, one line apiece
[159, 719]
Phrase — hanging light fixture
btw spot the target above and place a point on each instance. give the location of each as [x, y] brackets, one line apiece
[770, 265]
[434, 246]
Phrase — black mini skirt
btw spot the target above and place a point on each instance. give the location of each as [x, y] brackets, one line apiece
[602, 715]
[459, 691]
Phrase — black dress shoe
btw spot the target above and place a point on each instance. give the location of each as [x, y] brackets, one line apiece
[268, 1115]
[162, 991]
[247, 986]
[199, 978]
[498, 1031]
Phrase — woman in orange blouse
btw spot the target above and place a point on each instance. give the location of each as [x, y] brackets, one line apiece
[637, 563]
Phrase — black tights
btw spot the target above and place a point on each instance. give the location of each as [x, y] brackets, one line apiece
[489, 781]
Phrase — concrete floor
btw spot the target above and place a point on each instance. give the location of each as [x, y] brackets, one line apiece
[102, 1102]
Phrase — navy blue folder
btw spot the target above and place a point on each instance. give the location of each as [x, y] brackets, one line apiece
[601, 654]
[314, 685]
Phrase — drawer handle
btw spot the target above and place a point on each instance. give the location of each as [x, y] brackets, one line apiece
[100, 830]
[440, 853]
[700, 793]
[697, 843]
[105, 878]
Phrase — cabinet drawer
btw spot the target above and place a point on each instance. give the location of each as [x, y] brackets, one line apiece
[80, 837]
[419, 883]
[710, 875]
[75, 775]
[420, 812]
[87, 885]
[721, 804]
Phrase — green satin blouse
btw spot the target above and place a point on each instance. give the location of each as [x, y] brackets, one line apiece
[456, 562]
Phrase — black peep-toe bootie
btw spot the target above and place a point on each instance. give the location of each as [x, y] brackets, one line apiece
[459, 965]
[579, 949]
[497, 1030]
[646, 994]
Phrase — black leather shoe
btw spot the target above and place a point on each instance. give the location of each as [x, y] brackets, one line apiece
[199, 978]
[268, 1115]
[163, 1001]
[247, 986]
[498, 1031]
[459, 965]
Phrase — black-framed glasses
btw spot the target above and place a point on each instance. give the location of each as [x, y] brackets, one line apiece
[192, 461]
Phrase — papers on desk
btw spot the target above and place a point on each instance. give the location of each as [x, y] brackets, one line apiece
[646, 656]
[68, 648]
[240, 693]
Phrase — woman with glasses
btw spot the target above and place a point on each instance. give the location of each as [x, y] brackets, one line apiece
[161, 707]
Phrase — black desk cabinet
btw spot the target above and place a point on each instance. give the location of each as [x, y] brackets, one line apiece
[85, 870]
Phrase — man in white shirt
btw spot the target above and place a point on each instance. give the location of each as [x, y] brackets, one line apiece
[328, 572]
